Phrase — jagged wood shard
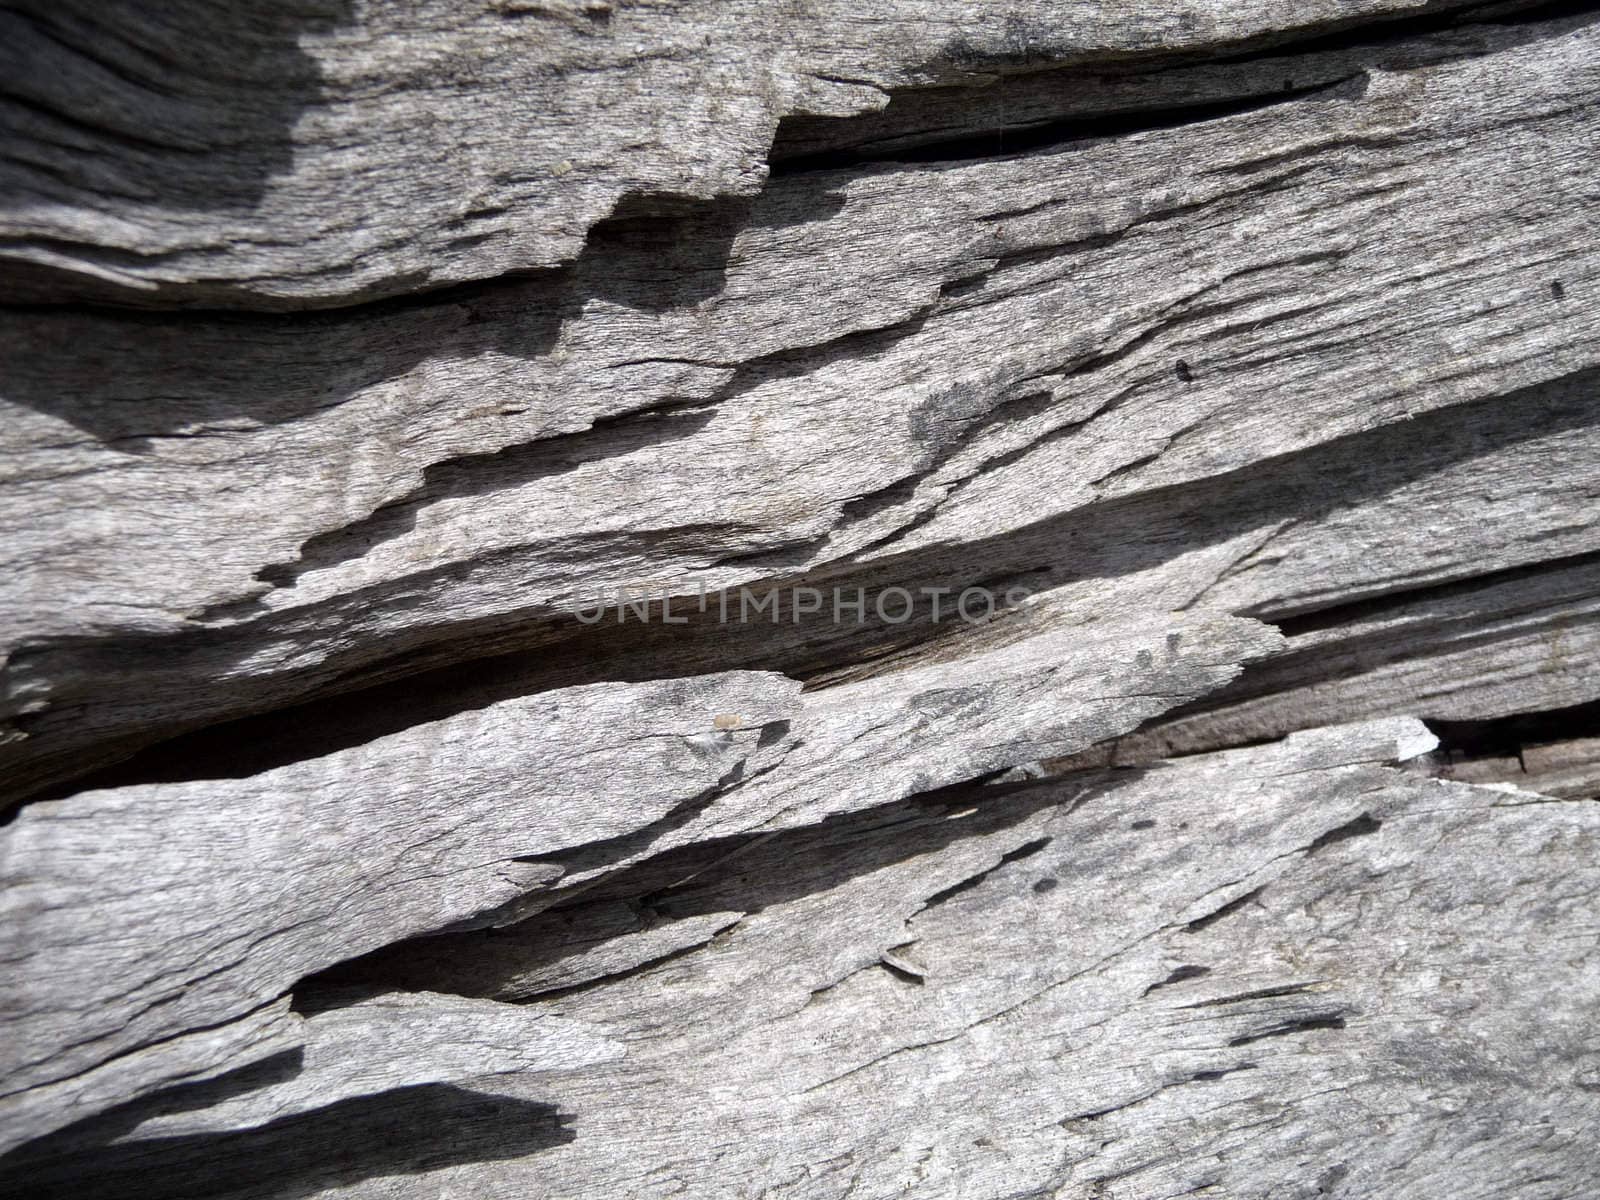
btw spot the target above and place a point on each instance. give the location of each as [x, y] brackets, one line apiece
[329, 859]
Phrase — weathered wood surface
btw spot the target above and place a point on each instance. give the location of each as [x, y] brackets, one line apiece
[316, 494]
[337, 856]
[1266, 972]
[360, 842]
[485, 138]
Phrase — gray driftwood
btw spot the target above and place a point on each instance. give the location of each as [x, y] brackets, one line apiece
[359, 363]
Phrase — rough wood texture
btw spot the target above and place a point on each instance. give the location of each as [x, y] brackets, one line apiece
[1248, 972]
[402, 799]
[688, 405]
[485, 137]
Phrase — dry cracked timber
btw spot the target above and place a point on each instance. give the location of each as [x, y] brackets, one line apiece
[405, 403]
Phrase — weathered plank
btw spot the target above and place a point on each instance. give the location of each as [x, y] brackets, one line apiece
[1034, 331]
[1265, 972]
[206, 154]
[315, 862]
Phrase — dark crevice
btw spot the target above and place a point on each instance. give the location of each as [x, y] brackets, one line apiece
[599, 854]
[971, 419]
[1306, 1025]
[1210, 1076]
[406, 1131]
[902, 973]
[1055, 134]
[612, 978]
[1440, 18]
[1288, 989]
[1179, 975]
[1227, 910]
[361, 1138]
[1381, 604]
[1363, 826]
[664, 421]
[1220, 1073]
[966, 885]
[1504, 737]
